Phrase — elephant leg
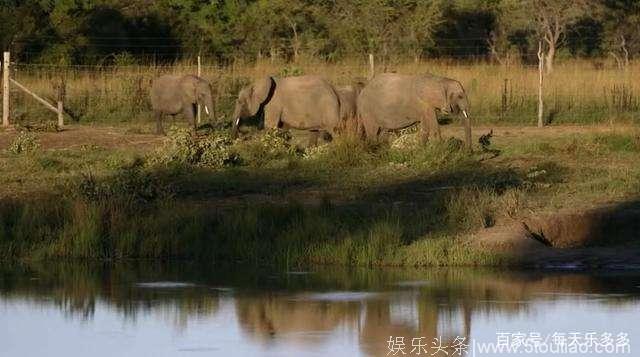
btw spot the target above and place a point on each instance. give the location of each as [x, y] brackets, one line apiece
[428, 124]
[190, 115]
[159, 129]
[313, 138]
[435, 127]
[272, 117]
[371, 129]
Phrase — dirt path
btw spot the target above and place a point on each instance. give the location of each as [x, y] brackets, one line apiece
[75, 136]
[122, 137]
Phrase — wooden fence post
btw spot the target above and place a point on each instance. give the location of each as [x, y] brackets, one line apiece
[61, 94]
[372, 70]
[60, 114]
[503, 108]
[540, 82]
[5, 89]
[199, 74]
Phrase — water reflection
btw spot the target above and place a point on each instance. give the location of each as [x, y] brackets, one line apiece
[340, 310]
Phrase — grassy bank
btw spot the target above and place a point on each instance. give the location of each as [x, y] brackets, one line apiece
[263, 201]
[577, 92]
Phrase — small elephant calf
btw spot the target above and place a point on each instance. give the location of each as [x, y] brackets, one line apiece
[174, 94]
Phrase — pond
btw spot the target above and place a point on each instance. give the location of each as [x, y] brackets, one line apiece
[184, 309]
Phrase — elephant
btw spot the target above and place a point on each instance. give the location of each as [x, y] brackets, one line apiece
[174, 94]
[393, 101]
[348, 96]
[301, 102]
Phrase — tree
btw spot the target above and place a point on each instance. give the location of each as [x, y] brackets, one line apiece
[384, 27]
[621, 20]
[551, 19]
[421, 19]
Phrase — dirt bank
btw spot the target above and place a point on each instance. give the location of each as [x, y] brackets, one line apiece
[603, 237]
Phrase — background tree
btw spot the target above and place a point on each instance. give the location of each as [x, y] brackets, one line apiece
[551, 19]
[102, 31]
[621, 22]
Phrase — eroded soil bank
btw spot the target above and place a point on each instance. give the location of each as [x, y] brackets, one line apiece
[601, 237]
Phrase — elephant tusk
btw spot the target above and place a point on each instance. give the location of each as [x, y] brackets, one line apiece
[206, 109]
[465, 113]
[237, 122]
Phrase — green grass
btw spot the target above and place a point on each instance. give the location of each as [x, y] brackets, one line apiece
[265, 202]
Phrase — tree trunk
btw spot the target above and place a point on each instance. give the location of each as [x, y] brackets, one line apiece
[550, 57]
[541, 57]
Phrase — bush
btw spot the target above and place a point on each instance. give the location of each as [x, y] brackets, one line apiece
[344, 152]
[212, 151]
[271, 146]
[407, 149]
[133, 184]
[24, 143]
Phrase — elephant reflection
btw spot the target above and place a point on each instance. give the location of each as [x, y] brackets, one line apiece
[275, 316]
[272, 316]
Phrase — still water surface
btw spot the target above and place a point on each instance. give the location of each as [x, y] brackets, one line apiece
[181, 309]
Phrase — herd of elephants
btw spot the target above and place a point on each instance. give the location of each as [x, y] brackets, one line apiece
[389, 101]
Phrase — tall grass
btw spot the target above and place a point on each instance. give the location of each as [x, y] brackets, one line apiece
[577, 91]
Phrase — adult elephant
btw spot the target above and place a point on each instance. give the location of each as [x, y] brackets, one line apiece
[173, 94]
[394, 101]
[302, 102]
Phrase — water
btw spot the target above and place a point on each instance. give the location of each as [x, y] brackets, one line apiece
[181, 309]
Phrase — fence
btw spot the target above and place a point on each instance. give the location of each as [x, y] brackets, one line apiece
[577, 91]
[6, 94]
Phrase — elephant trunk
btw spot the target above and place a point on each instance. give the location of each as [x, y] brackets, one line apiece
[467, 129]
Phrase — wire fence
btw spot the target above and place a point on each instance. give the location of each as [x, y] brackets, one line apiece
[577, 91]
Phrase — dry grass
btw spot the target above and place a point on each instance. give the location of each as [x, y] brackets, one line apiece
[577, 92]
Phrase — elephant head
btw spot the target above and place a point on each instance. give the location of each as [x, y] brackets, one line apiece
[204, 93]
[456, 102]
[250, 100]
[198, 90]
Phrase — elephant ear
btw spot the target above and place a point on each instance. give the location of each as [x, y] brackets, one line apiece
[189, 87]
[259, 93]
[447, 95]
[453, 89]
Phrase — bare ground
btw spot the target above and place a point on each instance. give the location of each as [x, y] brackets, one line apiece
[122, 137]
[75, 136]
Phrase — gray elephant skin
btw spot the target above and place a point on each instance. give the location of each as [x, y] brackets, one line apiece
[302, 102]
[174, 94]
[395, 101]
[348, 95]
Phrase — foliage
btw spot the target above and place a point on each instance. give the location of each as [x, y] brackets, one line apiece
[212, 150]
[125, 32]
[24, 143]
[131, 183]
[270, 147]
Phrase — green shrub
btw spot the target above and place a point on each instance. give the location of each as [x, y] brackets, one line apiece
[24, 143]
[132, 184]
[345, 151]
[212, 151]
[271, 147]
[408, 150]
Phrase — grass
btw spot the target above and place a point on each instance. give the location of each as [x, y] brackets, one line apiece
[263, 201]
[577, 92]
[268, 201]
